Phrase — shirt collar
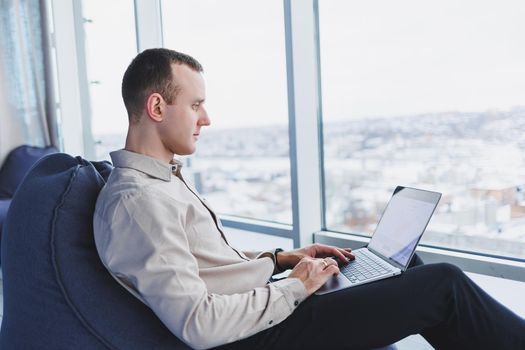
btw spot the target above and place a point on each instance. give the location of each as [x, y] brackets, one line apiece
[148, 165]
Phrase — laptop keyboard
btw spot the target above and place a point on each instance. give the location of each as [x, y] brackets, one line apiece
[364, 267]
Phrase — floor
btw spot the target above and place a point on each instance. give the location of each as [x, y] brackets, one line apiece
[509, 293]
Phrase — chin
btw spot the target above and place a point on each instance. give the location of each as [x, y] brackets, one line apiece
[186, 151]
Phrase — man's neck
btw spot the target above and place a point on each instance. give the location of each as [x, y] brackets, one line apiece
[142, 142]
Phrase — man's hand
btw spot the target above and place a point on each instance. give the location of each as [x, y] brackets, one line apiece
[314, 272]
[288, 260]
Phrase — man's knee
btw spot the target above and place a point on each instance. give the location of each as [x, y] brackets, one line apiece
[448, 271]
[416, 261]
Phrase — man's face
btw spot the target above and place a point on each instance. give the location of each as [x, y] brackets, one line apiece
[183, 120]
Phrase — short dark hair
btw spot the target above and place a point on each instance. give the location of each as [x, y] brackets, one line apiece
[149, 72]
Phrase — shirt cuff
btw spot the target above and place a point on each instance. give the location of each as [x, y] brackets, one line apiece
[272, 255]
[293, 290]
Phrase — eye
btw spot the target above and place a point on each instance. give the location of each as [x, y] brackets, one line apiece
[195, 106]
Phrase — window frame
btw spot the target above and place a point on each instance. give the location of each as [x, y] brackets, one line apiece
[507, 268]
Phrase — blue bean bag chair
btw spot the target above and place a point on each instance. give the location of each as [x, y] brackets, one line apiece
[15, 167]
[57, 293]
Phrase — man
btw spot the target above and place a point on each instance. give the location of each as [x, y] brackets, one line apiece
[163, 243]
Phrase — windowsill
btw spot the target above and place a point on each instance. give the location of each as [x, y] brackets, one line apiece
[470, 262]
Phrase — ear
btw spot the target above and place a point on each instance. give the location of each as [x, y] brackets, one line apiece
[155, 105]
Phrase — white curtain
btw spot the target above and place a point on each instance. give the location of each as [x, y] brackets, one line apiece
[10, 128]
[26, 116]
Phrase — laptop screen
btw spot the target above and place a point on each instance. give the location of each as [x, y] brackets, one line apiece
[403, 223]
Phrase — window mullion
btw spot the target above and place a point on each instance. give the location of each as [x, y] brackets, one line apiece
[304, 106]
[70, 73]
[148, 24]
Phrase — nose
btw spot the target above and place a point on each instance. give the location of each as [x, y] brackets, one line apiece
[204, 119]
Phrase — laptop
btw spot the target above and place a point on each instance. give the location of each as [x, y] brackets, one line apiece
[393, 243]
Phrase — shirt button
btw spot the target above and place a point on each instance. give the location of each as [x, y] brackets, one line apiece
[271, 321]
[296, 303]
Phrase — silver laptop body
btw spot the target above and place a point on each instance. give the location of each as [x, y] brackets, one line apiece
[393, 243]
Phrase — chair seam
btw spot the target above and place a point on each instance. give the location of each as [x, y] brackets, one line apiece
[65, 294]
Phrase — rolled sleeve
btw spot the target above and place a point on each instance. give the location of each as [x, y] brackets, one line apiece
[265, 254]
[293, 290]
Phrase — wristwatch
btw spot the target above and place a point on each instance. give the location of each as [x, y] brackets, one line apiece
[277, 266]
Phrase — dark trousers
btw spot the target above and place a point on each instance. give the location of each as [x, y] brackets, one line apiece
[437, 301]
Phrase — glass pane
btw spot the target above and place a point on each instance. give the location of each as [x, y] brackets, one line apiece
[110, 44]
[242, 164]
[429, 95]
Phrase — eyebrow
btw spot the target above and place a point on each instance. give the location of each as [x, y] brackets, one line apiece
[199, 101]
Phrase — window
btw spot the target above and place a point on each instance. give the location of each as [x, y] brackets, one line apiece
[427, 95]
[242, 162]
[110, 44]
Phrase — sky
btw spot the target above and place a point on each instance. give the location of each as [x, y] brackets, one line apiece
[388, 58]
[379, 58]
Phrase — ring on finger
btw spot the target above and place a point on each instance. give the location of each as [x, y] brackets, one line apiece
[325, 263]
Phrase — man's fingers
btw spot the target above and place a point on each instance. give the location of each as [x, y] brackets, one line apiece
[343, 255]
[327, 265]
[348, 253]
[337, 253]
[330, 261]
[331, 270]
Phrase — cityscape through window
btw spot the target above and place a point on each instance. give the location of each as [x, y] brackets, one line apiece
[428, 95]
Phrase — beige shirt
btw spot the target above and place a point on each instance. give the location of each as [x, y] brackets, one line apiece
[164, 244]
